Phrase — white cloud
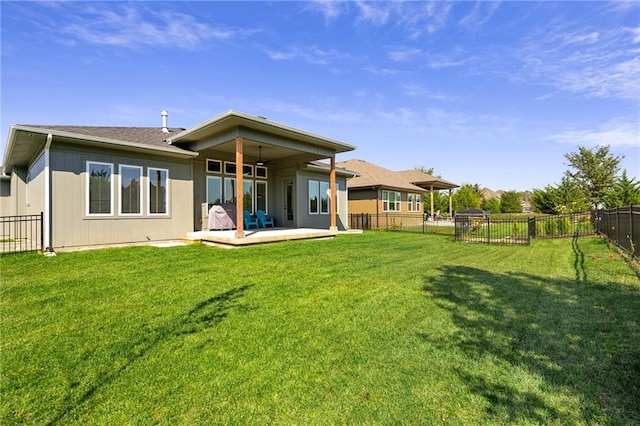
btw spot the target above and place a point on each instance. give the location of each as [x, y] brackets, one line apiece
[598, 64]
[420, 91]
[331, 10]
[481, 13]
[134, 27]
[310, 54]
[622, 131]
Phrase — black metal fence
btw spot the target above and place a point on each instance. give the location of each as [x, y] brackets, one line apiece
[407, 222]
[621, 226]
[520, 230]
[21, 233]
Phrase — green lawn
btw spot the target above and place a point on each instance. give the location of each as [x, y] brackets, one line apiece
[377, 328]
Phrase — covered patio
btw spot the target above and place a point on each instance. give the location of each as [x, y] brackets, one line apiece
[259, 236]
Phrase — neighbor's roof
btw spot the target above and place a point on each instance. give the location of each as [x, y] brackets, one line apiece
[26, 140]
[372, 175]
[425, 180]
[408, 180]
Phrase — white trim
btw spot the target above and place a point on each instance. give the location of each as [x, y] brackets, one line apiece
[210, 160]
[141, 182]
[327, 195]
[219, 178]
[167, 192]
[317, 188]
[397, 202]
[46, 226]
[87, 192]
[266, 195]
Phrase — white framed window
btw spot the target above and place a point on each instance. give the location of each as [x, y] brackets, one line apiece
[247, 170]
[314, 197]
[130, 190]
[158, 191]
[214, 166]
[229, 195]
[261, 172]
[214, 191]
[261, 196]
[229, 168]
[247, 195]
[324, 197]
[99, 189]
[391, 201]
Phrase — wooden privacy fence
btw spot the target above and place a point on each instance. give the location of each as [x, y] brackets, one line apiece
[621, 226]
[21, 233]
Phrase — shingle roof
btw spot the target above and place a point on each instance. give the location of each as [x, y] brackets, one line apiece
[409, 180]
[425, 180]
[153, 136]
[373, 175]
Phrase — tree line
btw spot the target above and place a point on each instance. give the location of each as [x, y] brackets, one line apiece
[592, 181]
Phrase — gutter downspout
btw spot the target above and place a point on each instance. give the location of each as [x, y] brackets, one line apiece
[48, 249]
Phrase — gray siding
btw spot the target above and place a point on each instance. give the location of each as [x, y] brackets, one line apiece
[321, 221]
[71, 226]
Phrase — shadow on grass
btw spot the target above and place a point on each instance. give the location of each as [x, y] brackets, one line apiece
[577, 338]
[202, 316]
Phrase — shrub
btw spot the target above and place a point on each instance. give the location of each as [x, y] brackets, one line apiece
[564, 225]
[551, 227]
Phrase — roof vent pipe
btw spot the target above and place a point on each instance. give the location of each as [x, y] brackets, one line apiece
[164, 115]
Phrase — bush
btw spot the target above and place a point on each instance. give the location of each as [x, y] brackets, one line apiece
[564, 225]
[540, 231]
[550, 227]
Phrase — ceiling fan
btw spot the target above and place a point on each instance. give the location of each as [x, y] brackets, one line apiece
[260, 161]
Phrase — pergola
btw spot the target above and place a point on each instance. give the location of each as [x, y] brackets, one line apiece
[430, 183]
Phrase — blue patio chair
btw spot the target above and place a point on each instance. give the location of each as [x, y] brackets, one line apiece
[264, 220]
[248, 220]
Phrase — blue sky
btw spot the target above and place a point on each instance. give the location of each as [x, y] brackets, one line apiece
[492, 93]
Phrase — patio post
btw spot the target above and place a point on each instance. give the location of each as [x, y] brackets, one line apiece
[432, 209]
[332, 194]
[239, 189]
[450, 204]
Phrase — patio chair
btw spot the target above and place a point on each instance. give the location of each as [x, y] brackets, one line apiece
[264, 220]
[248, 220]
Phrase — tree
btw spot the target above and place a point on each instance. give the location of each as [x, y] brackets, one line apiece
[467, 197]
[567, 197]
[491, 205]
[510, 202]
[625, 191]
[429, 171]
[595, 172]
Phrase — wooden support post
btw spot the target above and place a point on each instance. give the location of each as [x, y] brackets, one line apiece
[450, 204]
[239, 189]
[433, 213]
[332, 195]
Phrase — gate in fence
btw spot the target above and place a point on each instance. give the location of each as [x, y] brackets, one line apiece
[21, 233]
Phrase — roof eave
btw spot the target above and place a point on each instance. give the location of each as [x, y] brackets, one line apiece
[260, 123]
[124, 145]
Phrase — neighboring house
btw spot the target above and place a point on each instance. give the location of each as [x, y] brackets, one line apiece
[379, 191]
[108, 185]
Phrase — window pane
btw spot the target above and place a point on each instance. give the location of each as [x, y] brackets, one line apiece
[261, 196]
[99, 188]
[230, 168]
[313, 196]
[214, 166]
[130, 190]
[324, 197]
[214, 191]
[158, 191]
[247, 170]
[229, 190]
[247, 195]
